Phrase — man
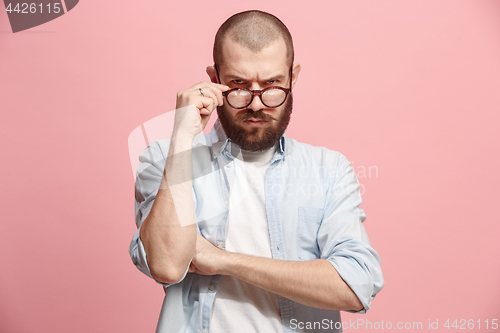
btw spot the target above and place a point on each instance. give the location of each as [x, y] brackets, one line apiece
[250, 231]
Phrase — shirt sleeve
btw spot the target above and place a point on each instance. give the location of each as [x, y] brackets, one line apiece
[342, 239]
[149, 175]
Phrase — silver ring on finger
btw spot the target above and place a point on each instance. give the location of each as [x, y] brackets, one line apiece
[201, 92]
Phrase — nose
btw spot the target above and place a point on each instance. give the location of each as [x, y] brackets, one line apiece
[256, 104]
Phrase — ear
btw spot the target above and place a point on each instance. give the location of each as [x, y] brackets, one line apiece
[212, 74]
[295, 73]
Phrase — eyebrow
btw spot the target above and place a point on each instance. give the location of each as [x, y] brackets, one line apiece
[279, 77]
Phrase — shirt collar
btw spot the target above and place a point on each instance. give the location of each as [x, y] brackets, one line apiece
[221, 143]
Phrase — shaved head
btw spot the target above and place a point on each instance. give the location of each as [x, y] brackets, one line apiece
[254, 30]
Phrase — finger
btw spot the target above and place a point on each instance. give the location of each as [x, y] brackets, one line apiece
[220, 97]
[213, 93]
[216, 88]
[220, 88]
[206, 103]
[205, 113]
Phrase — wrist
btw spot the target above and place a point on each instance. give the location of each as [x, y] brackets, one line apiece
[180, 142]
[230, 263]
[182, 138]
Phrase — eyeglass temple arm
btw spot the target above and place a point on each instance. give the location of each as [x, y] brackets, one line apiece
[217, 72]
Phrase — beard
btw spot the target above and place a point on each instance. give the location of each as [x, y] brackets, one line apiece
[256, 138]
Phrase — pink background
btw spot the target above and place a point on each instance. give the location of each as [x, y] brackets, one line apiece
[410, 88]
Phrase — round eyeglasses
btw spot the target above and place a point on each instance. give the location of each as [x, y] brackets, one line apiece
[240, 98]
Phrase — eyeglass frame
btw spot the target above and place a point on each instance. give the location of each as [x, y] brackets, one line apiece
[257, 92]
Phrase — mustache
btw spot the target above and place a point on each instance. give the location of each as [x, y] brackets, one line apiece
[247, 114]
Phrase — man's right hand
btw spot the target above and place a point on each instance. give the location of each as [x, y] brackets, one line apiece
[193, 110]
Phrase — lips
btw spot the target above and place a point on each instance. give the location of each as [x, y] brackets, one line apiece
[254, 122]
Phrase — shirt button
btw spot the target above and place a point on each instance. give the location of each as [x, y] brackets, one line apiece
[204, 331]
[211, 287]
[230, 164]
[226, 202]
[219, 246]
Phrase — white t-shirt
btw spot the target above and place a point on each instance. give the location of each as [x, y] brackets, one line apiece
[239, 306]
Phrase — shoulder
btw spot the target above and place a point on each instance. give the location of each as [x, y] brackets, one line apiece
[162, 146]
[300, 152]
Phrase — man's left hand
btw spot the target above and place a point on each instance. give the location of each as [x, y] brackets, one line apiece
[207, 259]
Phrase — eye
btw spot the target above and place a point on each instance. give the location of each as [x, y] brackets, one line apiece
[273, 81]
[238, 82]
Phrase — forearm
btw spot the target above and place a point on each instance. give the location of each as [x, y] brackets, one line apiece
[314, 283]
[169, 232]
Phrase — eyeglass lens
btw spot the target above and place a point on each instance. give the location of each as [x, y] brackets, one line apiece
[241, 98]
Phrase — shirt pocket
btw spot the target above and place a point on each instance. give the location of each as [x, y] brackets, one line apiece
[309, 222]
